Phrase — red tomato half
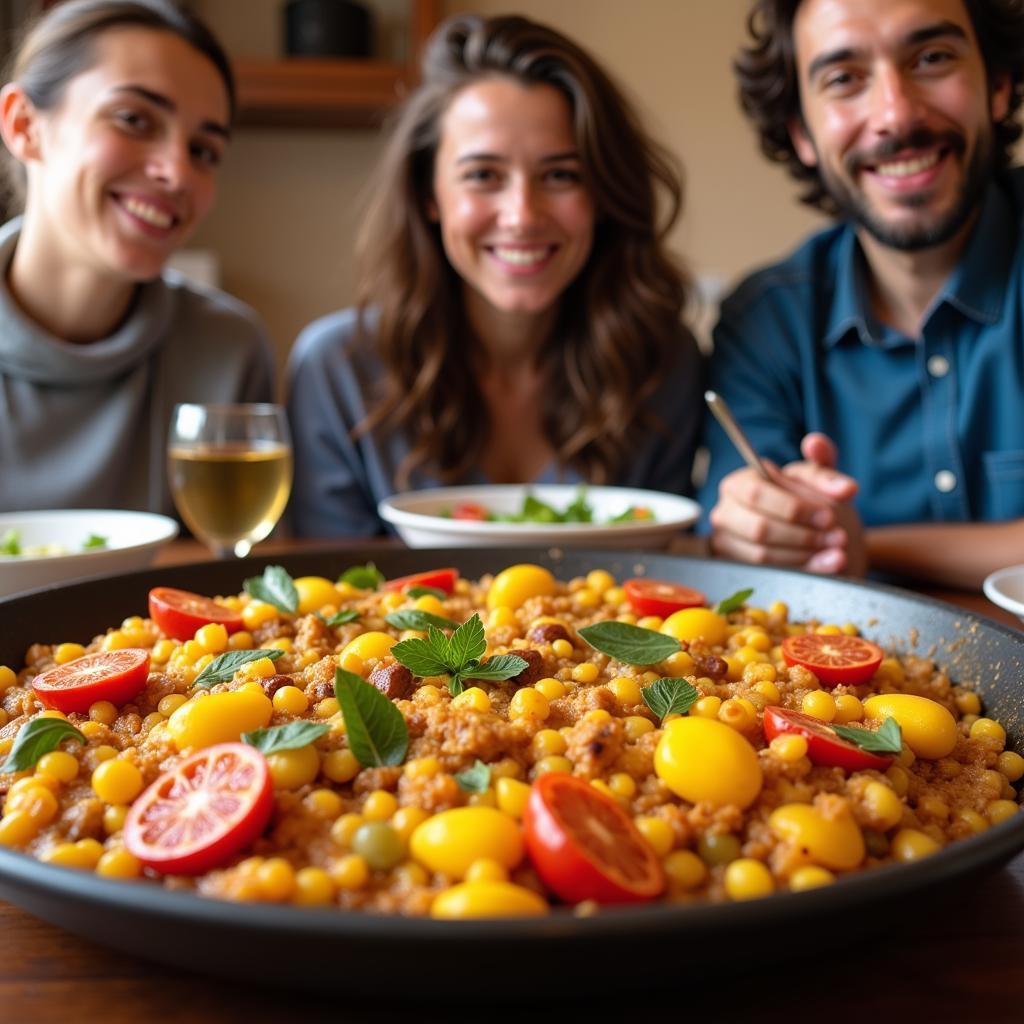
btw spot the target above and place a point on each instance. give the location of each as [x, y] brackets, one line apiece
[470, 510]
[585, 846]
[179, 613]
[656, 597]
[117, 676]
[834, 658]
[198, 815]
[442, 579]
[824, 745]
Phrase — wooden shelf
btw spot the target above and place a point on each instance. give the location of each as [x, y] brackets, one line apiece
[317, 93]
[312, 92]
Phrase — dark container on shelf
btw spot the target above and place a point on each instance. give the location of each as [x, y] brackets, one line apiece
[327, 28]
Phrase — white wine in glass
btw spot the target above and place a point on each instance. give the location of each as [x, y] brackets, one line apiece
[230, 469]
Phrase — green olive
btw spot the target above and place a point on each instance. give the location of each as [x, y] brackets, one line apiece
[378, 844]
[718, 849]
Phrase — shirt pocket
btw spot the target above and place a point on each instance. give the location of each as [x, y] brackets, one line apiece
[1004, 485]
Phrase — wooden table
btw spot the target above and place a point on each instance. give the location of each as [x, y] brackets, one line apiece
[959, 957]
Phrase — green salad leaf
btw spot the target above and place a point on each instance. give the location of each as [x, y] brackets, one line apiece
[10, 542]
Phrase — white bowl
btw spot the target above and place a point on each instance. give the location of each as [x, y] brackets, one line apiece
[132, 542]
[418, 517]
[1006, 589]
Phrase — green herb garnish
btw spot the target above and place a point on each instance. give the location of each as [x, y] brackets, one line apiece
[340, 618]
[426, 592]
[475, 779]
[224, 666]
[36, 738]
[291, 736]
[364, 577]
[887, 739]
[632, 645]
[376, 730]
[669, 696]
[274, 587]
[734, 601]
[456, 657]
[10, 543]
[413, 618]
[93, 542]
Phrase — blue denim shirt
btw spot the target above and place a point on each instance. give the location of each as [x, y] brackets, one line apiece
[931, 428]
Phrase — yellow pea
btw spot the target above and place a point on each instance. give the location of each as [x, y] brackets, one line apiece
[835, 843]
[928, 728]
[219, 718]
[704, 759]
[314, 593]
[487, 899]
[514, 586]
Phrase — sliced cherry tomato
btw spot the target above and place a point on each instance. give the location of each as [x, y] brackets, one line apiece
[824, 745]
[198, 815]
[470, 510]
[442, 579]
[179, 613]
[117, 676]
[658, 597]
[834, 657]
[585, 846]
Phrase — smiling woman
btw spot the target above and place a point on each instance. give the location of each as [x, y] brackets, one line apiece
[115, 117]
[519, 317]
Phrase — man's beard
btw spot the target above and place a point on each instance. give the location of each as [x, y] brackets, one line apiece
[926, 233]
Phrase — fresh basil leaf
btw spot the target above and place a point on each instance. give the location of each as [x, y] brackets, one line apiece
[290, 736]
[93, 542]
[669, 696]
[274, 587]
[376, 730]
[365, 577]
[475, 779]
[733, 601]
[502, 666]
[36, 738]
[887, 739]
[631, 645]
[413, 618]
[467, 643]
[10, 543]
[415, 592]
[340, 618]
[224, 666]
[420, 658]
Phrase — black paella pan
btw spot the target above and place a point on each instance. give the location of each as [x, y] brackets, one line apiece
[309, 947]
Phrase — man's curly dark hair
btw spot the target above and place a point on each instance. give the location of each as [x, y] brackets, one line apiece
[770, 94]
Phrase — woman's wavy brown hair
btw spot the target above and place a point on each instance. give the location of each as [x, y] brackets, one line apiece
[770, 91]
[619, 321]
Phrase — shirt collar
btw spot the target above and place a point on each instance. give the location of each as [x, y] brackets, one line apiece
[977, 287]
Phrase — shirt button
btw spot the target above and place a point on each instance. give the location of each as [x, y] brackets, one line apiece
[938, 366]
[945, 481]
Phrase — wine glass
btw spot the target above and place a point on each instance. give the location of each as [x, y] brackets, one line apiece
[230, 469]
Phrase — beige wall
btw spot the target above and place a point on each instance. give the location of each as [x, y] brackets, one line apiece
[288, 202]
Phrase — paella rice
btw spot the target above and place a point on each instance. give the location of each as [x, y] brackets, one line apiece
[501, 746]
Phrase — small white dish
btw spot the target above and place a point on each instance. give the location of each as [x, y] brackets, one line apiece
[419, 517]
[1005, 587]
[132, 541]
